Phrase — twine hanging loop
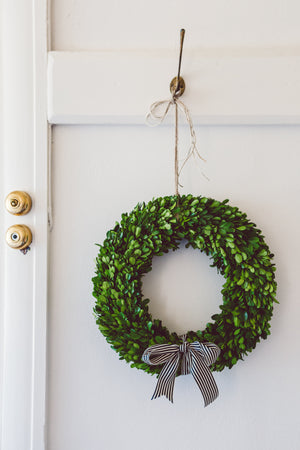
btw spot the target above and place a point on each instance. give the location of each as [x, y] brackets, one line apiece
[157, 113]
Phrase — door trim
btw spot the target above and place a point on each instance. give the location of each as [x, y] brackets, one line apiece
[23, 288]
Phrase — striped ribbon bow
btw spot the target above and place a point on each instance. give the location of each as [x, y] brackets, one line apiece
[195, 358]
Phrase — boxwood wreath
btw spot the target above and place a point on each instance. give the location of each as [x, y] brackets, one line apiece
[236, 248]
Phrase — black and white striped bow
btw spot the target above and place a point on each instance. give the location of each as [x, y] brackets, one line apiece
[196, 357]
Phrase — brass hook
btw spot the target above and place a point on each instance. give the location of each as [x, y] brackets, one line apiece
[182, 33]
[177, 85]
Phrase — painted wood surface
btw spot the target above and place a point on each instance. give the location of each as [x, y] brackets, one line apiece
[223, 86]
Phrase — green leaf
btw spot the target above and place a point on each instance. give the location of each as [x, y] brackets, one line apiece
[238, 258]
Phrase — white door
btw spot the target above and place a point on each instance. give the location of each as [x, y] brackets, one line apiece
[107, 62]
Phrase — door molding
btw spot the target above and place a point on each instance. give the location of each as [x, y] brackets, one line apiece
[23, 304]
[223, 85]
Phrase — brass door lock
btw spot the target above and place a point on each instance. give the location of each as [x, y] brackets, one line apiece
[19, 237]
[18, 203]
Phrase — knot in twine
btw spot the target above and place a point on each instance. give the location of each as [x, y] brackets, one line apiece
[157, 114]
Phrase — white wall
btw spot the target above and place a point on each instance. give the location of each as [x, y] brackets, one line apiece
[96, 401]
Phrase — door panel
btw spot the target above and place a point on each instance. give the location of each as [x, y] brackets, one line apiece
[93, 25]
[96, 401]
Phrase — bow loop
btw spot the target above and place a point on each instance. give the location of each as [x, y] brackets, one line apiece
[195, 358]
[207, 350]
[159, 353]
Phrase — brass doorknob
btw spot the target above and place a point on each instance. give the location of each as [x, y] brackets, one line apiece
[19, 237]
[18, 203]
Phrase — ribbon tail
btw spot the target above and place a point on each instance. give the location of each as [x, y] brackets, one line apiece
[166, 379]
[204, 379]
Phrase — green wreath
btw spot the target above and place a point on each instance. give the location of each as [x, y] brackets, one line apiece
[236, 248]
